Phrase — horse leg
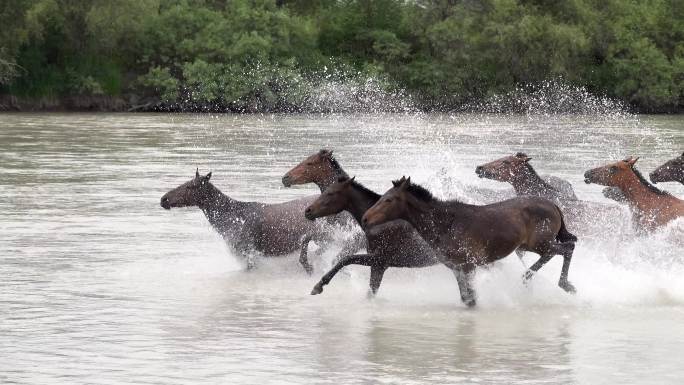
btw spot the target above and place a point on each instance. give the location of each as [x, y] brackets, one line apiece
[377, 271]
[545, 257]
[565, 249]
[356, 259]
[464, 277]
[351, 247]
[303, 255]
[521, 253]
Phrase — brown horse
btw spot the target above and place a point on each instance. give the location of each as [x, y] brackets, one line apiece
[580, 215]
[517, 170]
[650, 207]
[393, 244]
[270, 229]
[670, 171]
[322, 169]
[469, 235]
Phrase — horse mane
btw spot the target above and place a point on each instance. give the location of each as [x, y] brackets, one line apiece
[335, 164]
[419, 192]
[646, 183]
[365, 190]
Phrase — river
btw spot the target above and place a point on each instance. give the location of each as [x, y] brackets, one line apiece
[99, 284]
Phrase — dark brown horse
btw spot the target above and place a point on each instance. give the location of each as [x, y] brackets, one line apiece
[467, 236]
[650, 207]
[670, 171]
[270, 229]
[517, 170]
[393, 244]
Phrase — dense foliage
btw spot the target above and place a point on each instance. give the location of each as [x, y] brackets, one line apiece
[270, 54]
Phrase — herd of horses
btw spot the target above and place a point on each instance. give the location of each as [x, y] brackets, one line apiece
[408, 227]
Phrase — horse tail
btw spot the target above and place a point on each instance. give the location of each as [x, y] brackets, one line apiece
[563, 234]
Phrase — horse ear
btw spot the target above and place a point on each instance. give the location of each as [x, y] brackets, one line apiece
[632, 160]
[523, 156]
[405, 184]
[197, 173]
[342, 179]
[207, 177]
[325, 152]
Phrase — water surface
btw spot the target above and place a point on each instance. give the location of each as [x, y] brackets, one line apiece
[101, 285]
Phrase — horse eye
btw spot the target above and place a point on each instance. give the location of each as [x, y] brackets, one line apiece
[506, 162]
[613, 169]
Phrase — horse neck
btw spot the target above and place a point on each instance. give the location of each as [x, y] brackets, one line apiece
[528, 182]
[360, 201]
[638, 195]
[216, 205]
[333, 177]
[329, 180]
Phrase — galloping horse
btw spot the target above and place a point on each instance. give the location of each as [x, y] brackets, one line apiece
[516, 170]
[580, 215]
[322, 169]
[650, 207]
[469, 235]
[271, 229]
[670, 171]
[393, 244]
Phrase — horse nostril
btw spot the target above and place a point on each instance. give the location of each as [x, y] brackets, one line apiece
[308, 210]
[286, 181]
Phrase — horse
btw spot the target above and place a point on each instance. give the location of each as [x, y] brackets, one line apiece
[270, 229]
[393, 244]
[516, 170]
[650, 206]
[322, 169]
[670, 171]
[580, 215]
[466, 236]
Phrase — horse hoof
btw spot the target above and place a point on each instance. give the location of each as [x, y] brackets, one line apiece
[527, 276]
[568, 287]
[309, 270]
[318, 289]
[470, 303]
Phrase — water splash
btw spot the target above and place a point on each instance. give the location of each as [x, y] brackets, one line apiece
[550, 97]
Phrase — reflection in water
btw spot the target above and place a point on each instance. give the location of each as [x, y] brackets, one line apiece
[99, 284]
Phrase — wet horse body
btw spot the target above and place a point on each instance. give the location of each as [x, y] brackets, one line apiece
[270, 229]
[517, 171]
[581, 215]
[392, 244]
[650, 206]
[670, 171]
[466, 236]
